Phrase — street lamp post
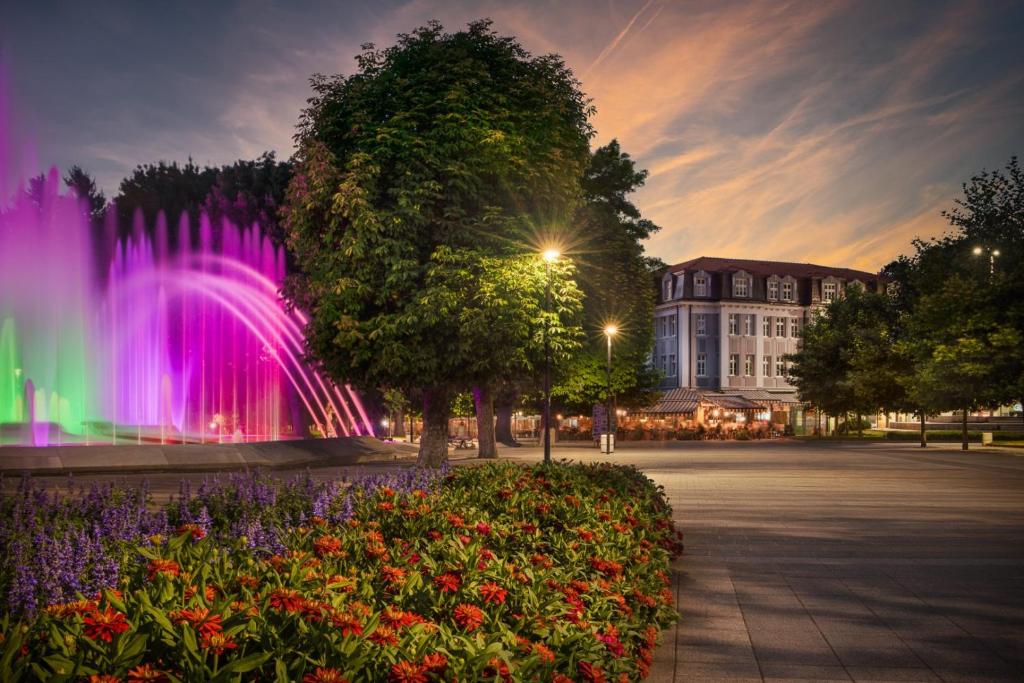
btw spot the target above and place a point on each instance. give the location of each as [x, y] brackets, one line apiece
[992, 255]
[550, 256]
[609, 332]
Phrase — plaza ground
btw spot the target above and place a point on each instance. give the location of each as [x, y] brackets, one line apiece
[825, 561]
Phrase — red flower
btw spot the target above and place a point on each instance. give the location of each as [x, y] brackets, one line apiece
[611, 641]
[198, 618]
[145, 673]
[483, 528]
[218, 643]
[396, 618]
[449, 582]
[104, 678]
[408, 672]
[323, 675]
[469, 617]
[328, 546]
[287, 599]
[105, 625]
[384, 635]
[496, 667]
[165, 567]
[590, 673]
[435, 662]
[493, 593]
[197, 532]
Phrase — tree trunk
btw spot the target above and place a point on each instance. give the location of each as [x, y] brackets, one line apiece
[434, 440]
[483, 400]
[503, 427]
[398, 424]
[924, 434]
[964, 425]
[860, 428]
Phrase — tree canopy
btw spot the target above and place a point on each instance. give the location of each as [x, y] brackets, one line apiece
[436, 171]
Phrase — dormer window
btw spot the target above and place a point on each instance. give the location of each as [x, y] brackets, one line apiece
[773, 288]
[787, 290]
[666, 288]
[741, 285]
[829, 291]
[700, 284]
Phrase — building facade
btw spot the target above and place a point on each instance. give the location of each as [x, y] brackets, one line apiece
[727, 325]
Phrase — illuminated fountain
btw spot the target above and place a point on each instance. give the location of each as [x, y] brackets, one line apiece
[190, 344]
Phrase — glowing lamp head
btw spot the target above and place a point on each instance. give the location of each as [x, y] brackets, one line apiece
[551, 255]
[611, 330]
[977, 251]
[995, 252]
[384, 422]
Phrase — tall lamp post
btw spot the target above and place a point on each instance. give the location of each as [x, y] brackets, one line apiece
[609, 332]
[550, 256]
[992, 254]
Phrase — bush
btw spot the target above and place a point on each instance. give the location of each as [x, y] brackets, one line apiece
[498, 572]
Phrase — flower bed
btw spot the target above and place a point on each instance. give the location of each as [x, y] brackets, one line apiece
[498, 572]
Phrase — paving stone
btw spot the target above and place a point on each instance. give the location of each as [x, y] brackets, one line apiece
[876, 674]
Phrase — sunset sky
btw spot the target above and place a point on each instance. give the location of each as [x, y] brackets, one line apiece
[831, 132]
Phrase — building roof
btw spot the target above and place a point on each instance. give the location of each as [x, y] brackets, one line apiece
[782, 268]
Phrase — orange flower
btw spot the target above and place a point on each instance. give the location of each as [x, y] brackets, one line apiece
[247, 581]
[322, 675]
[105, 625]
[469, 617]
[394, 576]
[104, 678]
[435, 662]
[198, 618]
[327, 546]
[449, 582]
[145, 673]
[218, 643]
[287, 599]
[349, 624]
[408, 672]
[197, 532]
[162, 566]
[493, 593]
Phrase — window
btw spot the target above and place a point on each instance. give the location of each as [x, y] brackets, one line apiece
[732, 323]
[748, 366]
[671, 365]
[739, 286]
[702, 365]
[748, 325]
[666, 326]
[766, 366]
[664, 362]
[794, 327]
[667, 288]
[734, 363]
[702, 324]
[766, 326]
[787, 291]
[773, 289]
[828, 291]
[700, 285]
[780, 326]
[780, 367]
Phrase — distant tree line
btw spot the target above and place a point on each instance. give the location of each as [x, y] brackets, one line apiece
[948, 336]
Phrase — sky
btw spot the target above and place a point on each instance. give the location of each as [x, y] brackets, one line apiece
[831, 131]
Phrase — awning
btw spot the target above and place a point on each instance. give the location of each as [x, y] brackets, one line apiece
[768, 396]
[675, 401]
[731, 402]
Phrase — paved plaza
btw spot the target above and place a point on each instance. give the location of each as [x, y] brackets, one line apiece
[811, 561]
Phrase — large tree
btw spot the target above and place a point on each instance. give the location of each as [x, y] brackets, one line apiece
[443, 161]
